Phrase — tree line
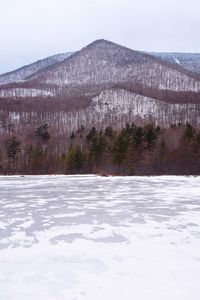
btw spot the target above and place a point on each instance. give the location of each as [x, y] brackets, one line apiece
[132, 150]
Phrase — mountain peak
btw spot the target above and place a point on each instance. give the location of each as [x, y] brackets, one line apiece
[101, 43]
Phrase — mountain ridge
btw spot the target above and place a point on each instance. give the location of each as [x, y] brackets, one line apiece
[170, 59]
[130, 56]
[25, 71]
[103, 65]
[189, 61]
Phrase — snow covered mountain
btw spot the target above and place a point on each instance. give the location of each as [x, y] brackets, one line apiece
[189, 61]
[106, 83]
[102, 65]
[106, 63]
[23, 72]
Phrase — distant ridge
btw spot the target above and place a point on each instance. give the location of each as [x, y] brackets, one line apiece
[22, 73]
[189, 61]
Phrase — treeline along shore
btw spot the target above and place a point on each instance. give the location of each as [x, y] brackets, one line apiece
[132, 150]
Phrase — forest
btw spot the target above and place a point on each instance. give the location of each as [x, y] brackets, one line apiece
[132, 150]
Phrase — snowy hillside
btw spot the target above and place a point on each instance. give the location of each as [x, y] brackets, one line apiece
[129, 107]
[103, 63]
[108, 83]
[113, 107]
[22, 73]
[24, 92]
[189, 61]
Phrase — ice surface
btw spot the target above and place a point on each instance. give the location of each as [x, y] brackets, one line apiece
[99, 238]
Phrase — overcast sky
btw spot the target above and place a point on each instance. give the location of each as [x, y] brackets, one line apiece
[33, 29]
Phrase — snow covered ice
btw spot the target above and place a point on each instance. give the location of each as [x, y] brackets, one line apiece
[99, 238]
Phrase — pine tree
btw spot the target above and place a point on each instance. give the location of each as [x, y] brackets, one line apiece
[79, 158]
[13, 153]
[13, 148]
[97, 146]
[72, 136]
[120, 148]
[137, 136]
[109, 132]
[42, 133]
[150, 135]
[189, 132]
[75, 159]
[91, 134]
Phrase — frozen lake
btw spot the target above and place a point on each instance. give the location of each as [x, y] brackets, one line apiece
[99, 238]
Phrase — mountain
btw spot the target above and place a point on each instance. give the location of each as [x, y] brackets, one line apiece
[104, 83]
[103, 62]
[106, 63]
[23, 72]
[102, 65]
[189, 61]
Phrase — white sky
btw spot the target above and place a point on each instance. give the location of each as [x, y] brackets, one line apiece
[33, 29]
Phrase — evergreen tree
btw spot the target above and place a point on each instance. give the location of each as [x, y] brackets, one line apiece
[75, 159]
[137, 136]
[189, 132]
[13, 153]
[43, 133]
[198, 138]
[72, 136]
[150, 135]
[120, 148]
[109, 132]
[97, 146]
[128, 129]
[13, 148]
[92, 133]
[35, 157]
[79, 158]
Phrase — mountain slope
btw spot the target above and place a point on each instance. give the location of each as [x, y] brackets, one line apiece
[103, 65]
[106, 63]
[189, 61]
[23, 72]
[112, 107]
[131, 107]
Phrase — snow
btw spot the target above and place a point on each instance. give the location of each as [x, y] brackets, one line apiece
[24, 92]
[91, 237]
[177, 61]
